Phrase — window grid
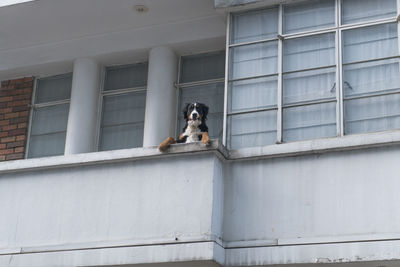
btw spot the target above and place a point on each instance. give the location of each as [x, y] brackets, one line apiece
[114, 92]
[181, 86]
[37, 106]
[338, 31]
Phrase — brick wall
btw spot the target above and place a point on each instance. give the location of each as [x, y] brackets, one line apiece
[15, 98]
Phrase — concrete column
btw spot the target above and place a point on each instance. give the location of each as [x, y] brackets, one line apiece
[160, 116]
[82, 118]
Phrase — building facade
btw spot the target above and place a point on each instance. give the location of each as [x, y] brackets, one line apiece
[302, 170]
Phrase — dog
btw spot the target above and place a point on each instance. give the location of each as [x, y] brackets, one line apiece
[195, 115]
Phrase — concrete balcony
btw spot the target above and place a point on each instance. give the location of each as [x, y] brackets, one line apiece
[206, 206]
[134, 206]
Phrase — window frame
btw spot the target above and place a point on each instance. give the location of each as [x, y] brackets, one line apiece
[103, 93]
[182, 86]
[337, 29]
[34, 106]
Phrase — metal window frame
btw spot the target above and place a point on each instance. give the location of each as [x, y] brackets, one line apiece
[114, 92]
[337, 29]
[182, 86]
[35, 106]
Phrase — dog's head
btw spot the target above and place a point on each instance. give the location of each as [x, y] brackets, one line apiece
[195, 112]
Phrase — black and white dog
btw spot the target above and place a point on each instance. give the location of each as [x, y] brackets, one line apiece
[195, 115]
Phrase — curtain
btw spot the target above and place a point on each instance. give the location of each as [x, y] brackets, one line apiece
[122, 121]
[48, 132]
[54, 88]
[307, 16]
[354, 11]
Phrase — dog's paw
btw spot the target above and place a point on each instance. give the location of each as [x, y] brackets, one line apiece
[206, 142]
[162, 148]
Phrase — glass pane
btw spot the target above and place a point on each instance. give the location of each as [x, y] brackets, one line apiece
[370, 43]
[372, 114]
[123, 121]
[254, 25]
[202, 67]
[127, 76]
[121, 136]
[309, 52]
[254, 60]
[364, 78]
[50, 119]
[123, 108]
[309, 85]
[253, 94]
[46, 145]
[365, 10]
[53, 88]
[252, 129]
[309, 122]
[213, 96]
[307, 16]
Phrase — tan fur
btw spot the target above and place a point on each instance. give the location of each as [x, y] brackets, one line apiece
[166, 143]
[205, 138]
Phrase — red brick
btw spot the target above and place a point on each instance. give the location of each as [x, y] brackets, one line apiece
[11, 115]
[28, 79]
[8, 139]
[19, 149]
[5, 110]
[6, 99]
[15, 156]
[4, 83]
[23, 114]
[2, 158]
[9, 127]
[19, 120]
[22, 125]
[15, 144]
[3, 134]
[19, 103]
[17, 132]
[22, 97]
[4, 122]
[6, 151]
[20, 108]
[3, 146]
[20, 138]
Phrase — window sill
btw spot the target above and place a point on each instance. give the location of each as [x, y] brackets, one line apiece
[318, 146]
[104, 157]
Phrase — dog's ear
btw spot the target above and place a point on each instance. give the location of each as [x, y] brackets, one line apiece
[185, 111]
[205, 111]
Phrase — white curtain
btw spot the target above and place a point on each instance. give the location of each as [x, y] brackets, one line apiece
[254, 60]
[252, 129]
[253, 94]
[202, 67]
[254, 25]
[54, 88]
[126, 76]
[49, 125]
[213, 96]
[354, 11]
[310, 15]
[122, 122]
[375, 113]
[316, 120]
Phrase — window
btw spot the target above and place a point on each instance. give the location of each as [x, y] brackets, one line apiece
[50, 116]
[201, 79]
[312, 69]
[124, 100]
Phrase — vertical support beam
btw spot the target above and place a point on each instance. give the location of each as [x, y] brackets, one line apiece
[82, 118]
[279, 120]
[160, 115]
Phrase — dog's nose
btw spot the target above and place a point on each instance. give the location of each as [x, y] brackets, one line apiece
[194, 116]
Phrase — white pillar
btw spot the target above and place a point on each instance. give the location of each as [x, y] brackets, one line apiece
[82, 118]
[160, 116]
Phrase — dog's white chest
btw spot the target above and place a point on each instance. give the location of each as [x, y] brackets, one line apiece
[192, 134]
